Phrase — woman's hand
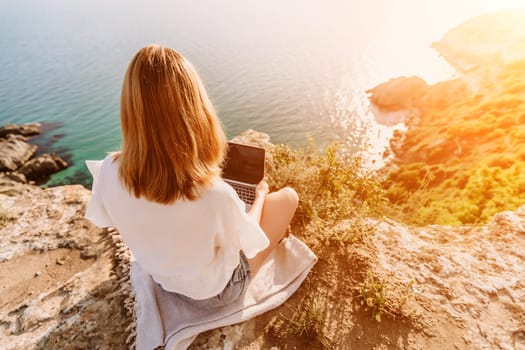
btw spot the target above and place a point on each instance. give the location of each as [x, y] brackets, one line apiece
[262, 189]
[260, 196]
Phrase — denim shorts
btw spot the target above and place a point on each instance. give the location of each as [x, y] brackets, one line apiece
[233, 291]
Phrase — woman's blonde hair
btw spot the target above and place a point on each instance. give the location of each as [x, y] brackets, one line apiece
[173, 141]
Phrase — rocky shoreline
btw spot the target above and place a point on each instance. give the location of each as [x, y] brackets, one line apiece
[19, 168]
[456, 287]
[61, 283]
[460, 153]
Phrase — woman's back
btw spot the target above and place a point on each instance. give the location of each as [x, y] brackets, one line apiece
[189, 247]
[163, 192]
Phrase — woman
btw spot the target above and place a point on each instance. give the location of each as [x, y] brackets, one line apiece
[163, 191]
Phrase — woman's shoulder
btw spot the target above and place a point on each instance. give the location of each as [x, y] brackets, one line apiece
[99, 167]
[220, 186]
[111, 157]
[108, 168]
[223, 198]
[220, 190]
[110, 161]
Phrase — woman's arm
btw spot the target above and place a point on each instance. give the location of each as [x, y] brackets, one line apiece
[260, 195]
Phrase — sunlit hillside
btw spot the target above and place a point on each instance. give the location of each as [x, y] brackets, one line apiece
[485, 41]
[463, 157]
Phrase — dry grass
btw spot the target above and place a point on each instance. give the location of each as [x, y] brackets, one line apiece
[307, 321]
[5, 216]
[376, 297]
[333, 189]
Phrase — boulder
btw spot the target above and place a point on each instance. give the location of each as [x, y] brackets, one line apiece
[24, 129]
[398, 93]
[59, 288]
[16, 176]
[12, 187]
[253, 138]
[40, 168]
[14, 151]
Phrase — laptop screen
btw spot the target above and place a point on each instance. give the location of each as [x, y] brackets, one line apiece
[244, 163]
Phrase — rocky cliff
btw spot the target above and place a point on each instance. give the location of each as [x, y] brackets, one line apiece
[442, 287]
[462, 156]
[391, 286]
[19, 167]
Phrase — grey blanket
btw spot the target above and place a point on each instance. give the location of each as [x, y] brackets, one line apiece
[163, 319]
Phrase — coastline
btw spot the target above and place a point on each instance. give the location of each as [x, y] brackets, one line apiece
[22, 163]
[378, 283]
[417, 113]
[64, 277]
[460, 158]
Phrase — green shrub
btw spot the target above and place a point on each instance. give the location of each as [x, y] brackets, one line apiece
[308, 320]
[464, 162]
[379, 299]
[331, 185]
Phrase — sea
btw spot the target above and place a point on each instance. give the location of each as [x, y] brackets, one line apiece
[294, 69]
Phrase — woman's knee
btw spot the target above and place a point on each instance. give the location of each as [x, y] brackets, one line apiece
[289, 196]
[281, 203]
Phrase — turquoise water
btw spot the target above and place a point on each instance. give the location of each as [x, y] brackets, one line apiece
[290, 69]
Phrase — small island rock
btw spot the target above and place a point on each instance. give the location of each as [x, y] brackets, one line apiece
[14, 151]
[40, 168]
[398, 93]
[31, 129]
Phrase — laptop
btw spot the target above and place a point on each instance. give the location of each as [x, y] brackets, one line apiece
[244, 169]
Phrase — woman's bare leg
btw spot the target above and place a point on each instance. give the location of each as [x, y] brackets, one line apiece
[278, 210]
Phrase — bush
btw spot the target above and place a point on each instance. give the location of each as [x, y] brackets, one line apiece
[308, 320]
[464, 162]
[331, 185]
[375, 296]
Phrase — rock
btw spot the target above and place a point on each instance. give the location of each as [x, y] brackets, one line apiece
[10, 187]
[468, 278]
[36, 314]
[40, 168]
[14, 151]
[398, 93]
[16, 176]
[24, 129]
[54, 298]
[253, 138]
[458, 287]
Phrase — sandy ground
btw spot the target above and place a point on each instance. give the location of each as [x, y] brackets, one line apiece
[58, 285]
[444, 288]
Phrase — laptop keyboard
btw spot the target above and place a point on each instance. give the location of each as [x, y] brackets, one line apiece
[245, 192]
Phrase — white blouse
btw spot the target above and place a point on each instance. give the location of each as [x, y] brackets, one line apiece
[188, 247]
